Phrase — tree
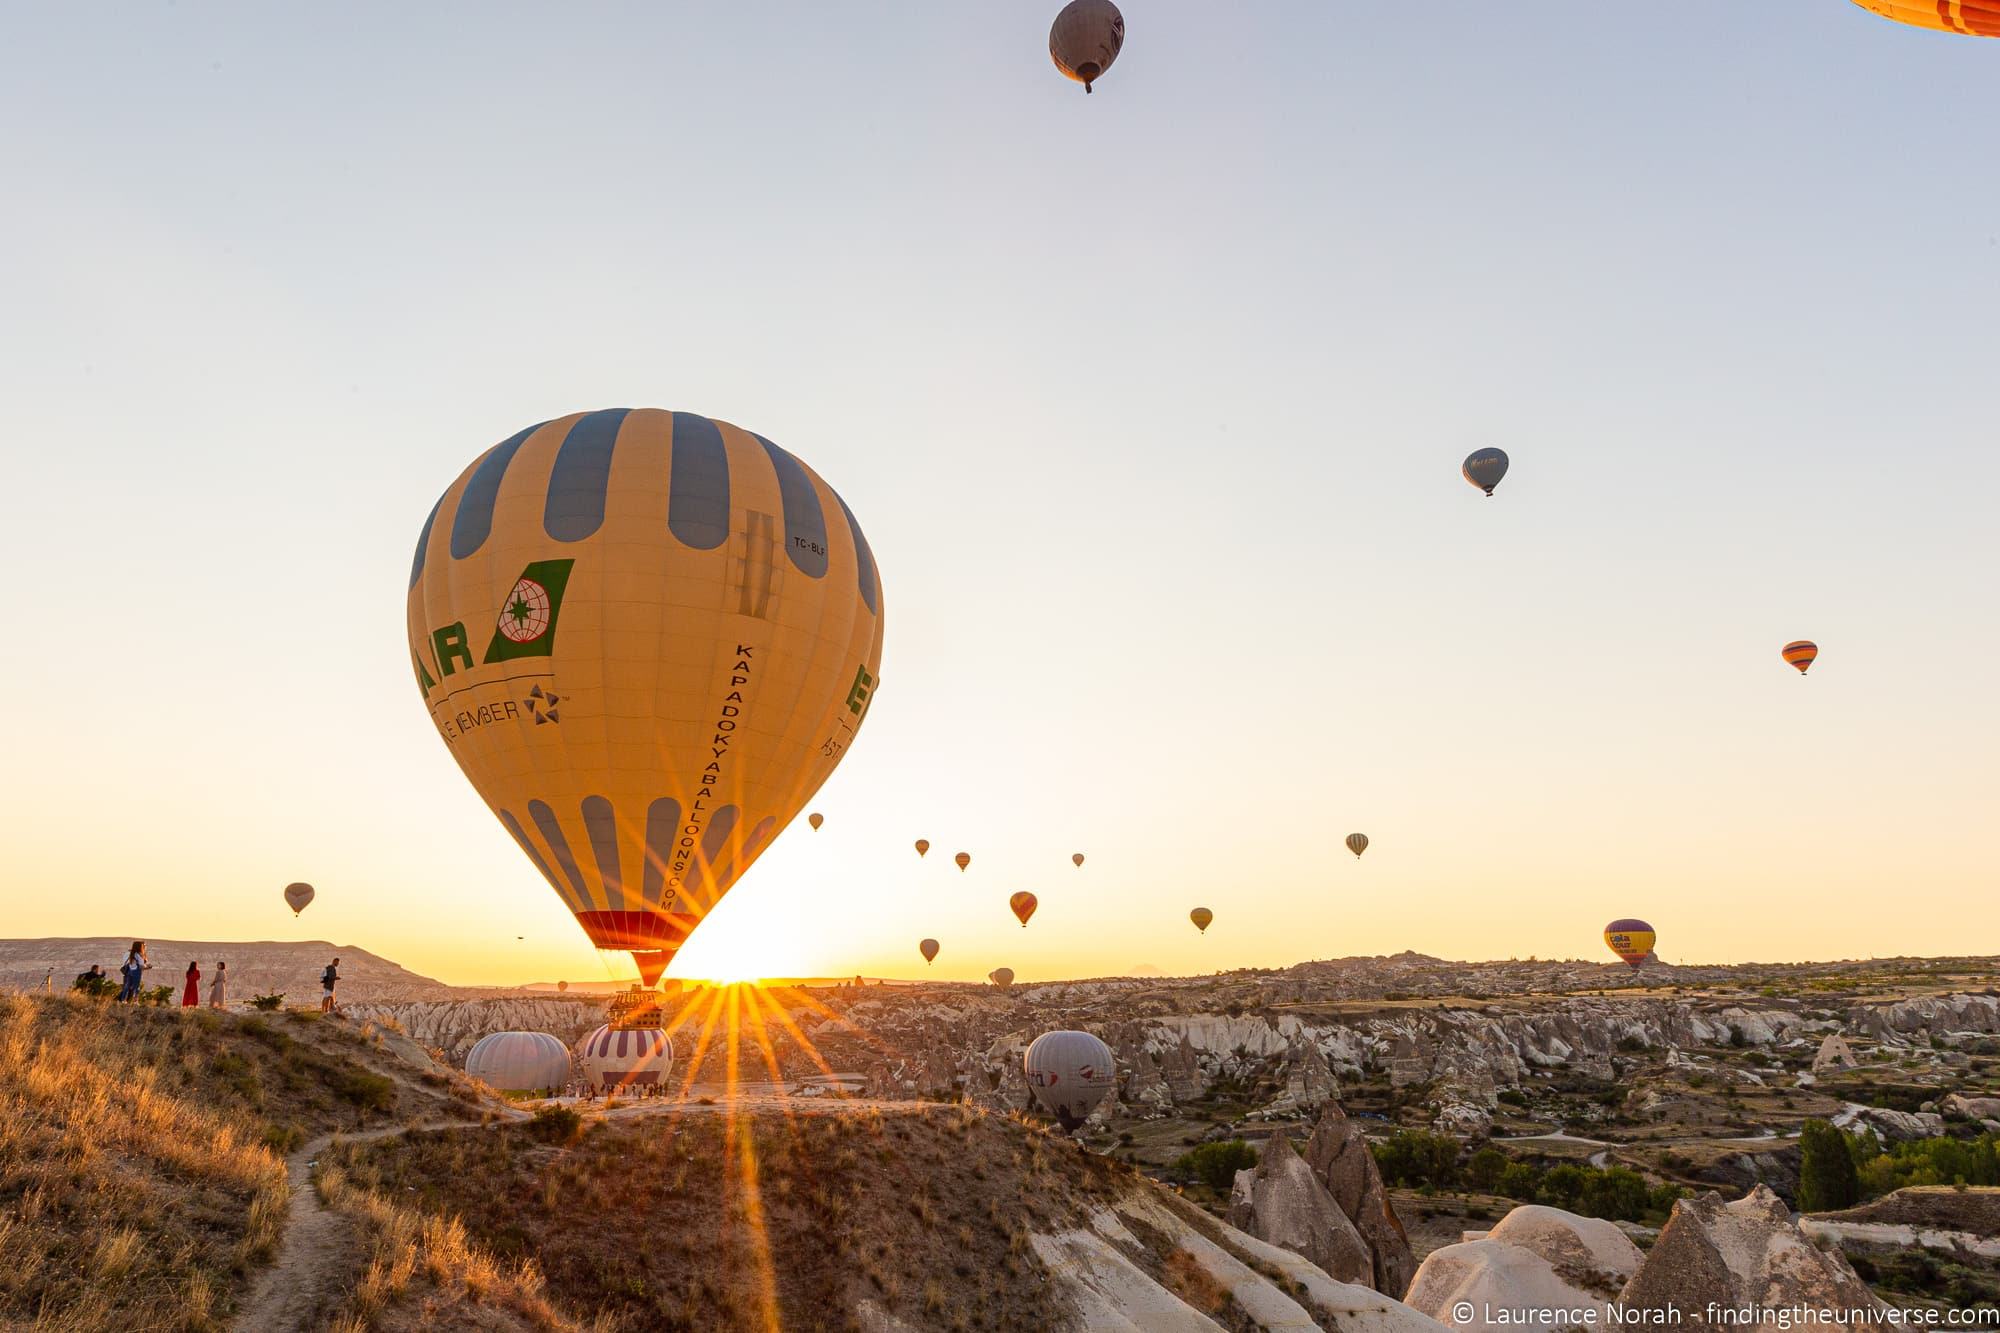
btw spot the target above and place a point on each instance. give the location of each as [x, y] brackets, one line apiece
[1483, 1172]
[1216, 1164]
[1827, 1178]
[1416, 1157]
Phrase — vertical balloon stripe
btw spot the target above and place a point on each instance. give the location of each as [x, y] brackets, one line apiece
[698, 483]
[424, 544]
[521, 836]
[663, 821]
[864, 559]
[805, 523]
[715, 851]
[545, 820]
[581, 476]
[602, 825]
[474, 519]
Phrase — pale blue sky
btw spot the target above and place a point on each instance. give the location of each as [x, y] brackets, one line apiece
[1151, 404]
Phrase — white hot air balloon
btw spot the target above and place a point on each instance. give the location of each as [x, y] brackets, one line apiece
[1069, 1073]
[519, 1061]
[612, 1058]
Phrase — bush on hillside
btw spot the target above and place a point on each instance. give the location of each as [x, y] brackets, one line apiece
[267, 1003]
[1216, 1164]
[1827, 1178]
[1416, 1158]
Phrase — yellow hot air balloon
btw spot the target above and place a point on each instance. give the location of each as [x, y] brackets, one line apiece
[1201, 916]
[1631, 939]
[647, 638]
[1357, 843]
[1024, 906]
[1971, 18]
[1800, 653]
[963, 859]
[815, 819]
[923, 845]
[297, 896]
[1076, 859]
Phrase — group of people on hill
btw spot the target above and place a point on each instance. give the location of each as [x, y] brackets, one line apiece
[132, 973]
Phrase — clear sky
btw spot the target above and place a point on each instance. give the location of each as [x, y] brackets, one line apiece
[1151, 404]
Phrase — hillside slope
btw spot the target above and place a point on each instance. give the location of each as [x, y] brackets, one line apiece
[256, 967]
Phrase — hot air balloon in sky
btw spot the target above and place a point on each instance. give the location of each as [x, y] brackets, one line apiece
[1003, 977]
[297, 896]
[815, 819]
[1069, 1073]
[1970, 18]
[1085, 38]
[928, 948]
[647, 638]
[1631, 939]
[963, 859]
[1076, 859]
[1201, 916]
[1800, 653]
[1357, 843]
[1484, 468]
[923, 845]
[1023, 904]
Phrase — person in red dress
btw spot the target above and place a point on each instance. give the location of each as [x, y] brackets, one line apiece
[191, 996]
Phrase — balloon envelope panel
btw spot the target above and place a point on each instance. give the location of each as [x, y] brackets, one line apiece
[647, 638]
[611, 1058]
[1973, 18]
[1070, 1073]
[519, 1061]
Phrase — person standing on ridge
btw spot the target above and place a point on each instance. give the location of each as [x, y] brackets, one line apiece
[218, 989]
[328, 980]
[191, 993]
[134, 970]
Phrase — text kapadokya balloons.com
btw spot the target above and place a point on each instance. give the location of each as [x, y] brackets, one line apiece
[1023, 905]
[1085, 38]
[297, 896]
[1201, 916]
[647, 638]
[1357, 843]
[929, 949]
[1970, 18]
[1070, 1073]
[1801, 653]
[1631, 939]
[1484, 468]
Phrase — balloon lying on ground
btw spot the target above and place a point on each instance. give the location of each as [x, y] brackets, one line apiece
[815, 819]
[1484, 468]
[1069, 1074]
[1003, 977]
[1801, 653]
[928, 948]
[610, 1058]
[1357, 843]
[519, 1061]
[923, 845]
[963, 859]
[647, 638]
[1631, 939]
[1969, 18]
[297, 896]
[1201, 916]
[1085, 38]
[1023, 905]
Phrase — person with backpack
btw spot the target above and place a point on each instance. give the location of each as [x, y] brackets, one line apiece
[134, 971]
[327, 981]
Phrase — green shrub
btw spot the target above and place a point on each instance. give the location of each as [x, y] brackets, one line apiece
[267, 1003]
[1415, 1158]
[1216, 1164]
[368, 1092]
[1486, 1168]
[98, 988]
[556, 1124]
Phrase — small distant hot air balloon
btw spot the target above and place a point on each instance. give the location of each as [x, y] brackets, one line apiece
[1969, 18]
[923, 845]
[815, 819]
[1800, 653]
[928, 948]
[298, 895]
[1201, 916]
[964, 859]
[1357, 843]
[1631, 939]
[1484, 468]
[1076, 859]
[1085, 39]
[1023, 904]
[562, 986]
[1003, 977]
[1069, 1073]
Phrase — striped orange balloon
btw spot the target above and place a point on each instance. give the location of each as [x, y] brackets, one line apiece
[1971, 18]
[1800, 653]
[1024, 906]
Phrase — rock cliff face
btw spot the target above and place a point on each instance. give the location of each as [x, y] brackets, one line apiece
[1536, 1260]
[1280, 1200]
[453, 1026]
[1338, 1154]
[1712, 1255]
